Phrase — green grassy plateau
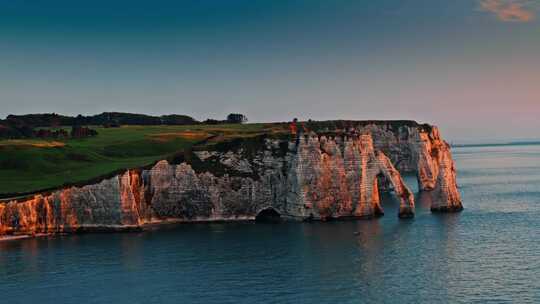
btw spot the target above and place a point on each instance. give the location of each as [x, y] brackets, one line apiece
[32, 165]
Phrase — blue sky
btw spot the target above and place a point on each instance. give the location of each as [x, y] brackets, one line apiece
[470, 66]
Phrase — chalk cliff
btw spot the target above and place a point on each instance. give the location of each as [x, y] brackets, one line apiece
[322, 171]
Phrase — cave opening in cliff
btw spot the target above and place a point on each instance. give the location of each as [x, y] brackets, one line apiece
[268, 215]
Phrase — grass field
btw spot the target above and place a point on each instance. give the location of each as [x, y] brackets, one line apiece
[31, 165]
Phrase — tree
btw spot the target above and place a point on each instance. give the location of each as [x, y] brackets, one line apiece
[236, 118]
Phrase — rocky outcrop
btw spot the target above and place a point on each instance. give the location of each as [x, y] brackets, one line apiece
[420, 149]
[337, 177]
[320, 173]
[437, 172]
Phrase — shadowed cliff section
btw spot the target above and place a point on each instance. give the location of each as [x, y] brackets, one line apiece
[314, 171]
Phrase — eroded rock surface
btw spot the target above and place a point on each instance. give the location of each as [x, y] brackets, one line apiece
[318, 174]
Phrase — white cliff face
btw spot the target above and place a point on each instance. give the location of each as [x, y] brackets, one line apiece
[437, 172]
[338, 178]
[421, 149]
[308, 176]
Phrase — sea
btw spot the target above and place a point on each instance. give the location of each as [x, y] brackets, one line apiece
[489, 253]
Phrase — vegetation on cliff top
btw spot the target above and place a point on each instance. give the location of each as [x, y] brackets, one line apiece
[28, 165]
[38, 125]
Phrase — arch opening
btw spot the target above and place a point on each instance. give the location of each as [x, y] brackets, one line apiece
[395, 183]
[268, 215]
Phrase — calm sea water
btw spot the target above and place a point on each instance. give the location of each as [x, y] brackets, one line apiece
[490, 253]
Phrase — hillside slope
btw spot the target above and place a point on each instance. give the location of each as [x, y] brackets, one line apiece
[30, 165]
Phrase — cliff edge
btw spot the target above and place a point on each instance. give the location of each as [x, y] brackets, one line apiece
[320, 171]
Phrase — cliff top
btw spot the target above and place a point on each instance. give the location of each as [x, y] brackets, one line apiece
[30, 165]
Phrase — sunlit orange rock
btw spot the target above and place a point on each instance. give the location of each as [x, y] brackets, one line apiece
[437, 172]
[309, 175]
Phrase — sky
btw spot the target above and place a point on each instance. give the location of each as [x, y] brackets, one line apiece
[472, 67]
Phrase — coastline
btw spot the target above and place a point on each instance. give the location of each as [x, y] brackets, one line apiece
[163, 224]
[124, 228]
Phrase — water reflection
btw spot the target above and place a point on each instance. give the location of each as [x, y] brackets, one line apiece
[131, 251]
[424, 200]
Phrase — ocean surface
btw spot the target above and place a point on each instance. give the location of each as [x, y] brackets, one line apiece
[489, 253]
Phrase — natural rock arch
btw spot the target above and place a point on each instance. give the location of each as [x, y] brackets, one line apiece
[375, 164]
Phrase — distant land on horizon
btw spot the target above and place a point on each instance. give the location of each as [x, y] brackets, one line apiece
[498, 143]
